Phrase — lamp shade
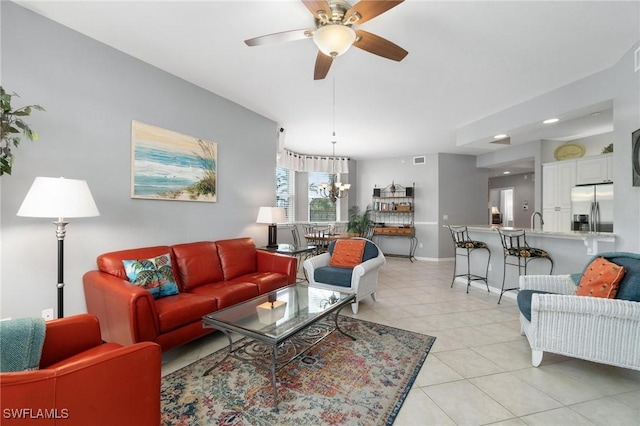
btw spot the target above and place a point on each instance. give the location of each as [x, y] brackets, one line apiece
[334, 39]
[58, 198]
[271, 215]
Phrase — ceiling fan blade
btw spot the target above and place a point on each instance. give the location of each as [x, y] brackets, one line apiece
[379, 46]
[315, 6]
[280, 37]
[369, 9]
[323, 63]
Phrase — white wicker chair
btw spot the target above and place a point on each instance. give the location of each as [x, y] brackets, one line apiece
[364, 278]
[596, 329]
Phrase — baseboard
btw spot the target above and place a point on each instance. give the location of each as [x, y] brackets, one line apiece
[480, 285]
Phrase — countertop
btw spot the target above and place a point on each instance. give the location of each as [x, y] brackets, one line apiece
[578, 235]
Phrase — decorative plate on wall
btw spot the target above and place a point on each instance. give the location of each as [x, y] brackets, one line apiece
[568, 151]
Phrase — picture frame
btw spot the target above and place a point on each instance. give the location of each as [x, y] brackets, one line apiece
[635, 157]
[167, 165]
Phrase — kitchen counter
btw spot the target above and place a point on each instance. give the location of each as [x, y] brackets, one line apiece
[578, 235]
[570, 251]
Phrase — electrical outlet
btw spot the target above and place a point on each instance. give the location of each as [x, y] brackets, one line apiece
[421, 245]
[489, 267]
[445, 217]
[47, 314]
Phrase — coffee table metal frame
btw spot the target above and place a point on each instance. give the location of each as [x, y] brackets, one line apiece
[266, 348]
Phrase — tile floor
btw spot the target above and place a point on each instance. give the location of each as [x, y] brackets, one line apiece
[479, 370]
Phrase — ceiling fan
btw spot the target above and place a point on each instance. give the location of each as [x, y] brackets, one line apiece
[334, 34]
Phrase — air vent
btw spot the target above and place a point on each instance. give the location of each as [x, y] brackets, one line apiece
[419, 160]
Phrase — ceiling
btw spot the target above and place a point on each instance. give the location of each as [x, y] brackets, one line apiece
[467, 60]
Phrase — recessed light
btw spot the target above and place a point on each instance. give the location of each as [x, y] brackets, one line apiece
[501, 136]
[551, 120]
[506, 172]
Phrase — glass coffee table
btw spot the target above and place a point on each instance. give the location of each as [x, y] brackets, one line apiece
[281, 326]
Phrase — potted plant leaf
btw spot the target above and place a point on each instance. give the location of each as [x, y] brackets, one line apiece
[13, 126]
[358, 223]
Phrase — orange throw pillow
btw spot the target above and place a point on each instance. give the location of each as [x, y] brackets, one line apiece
[601, 279]
[347, 253]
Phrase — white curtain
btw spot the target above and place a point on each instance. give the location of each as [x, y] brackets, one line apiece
[313, 163]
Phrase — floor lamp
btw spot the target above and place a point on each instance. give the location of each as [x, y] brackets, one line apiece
[272, 216]
[59, 198]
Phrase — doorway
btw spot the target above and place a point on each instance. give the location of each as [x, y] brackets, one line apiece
[502, 199]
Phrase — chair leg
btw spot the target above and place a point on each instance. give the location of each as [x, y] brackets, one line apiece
[373, 296]
[504, 274]
[468, 269]
[354, 307]
[486, 273]
[536, 357]
[455, 262]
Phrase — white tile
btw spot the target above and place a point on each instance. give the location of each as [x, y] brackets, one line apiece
[515, 395]
[434, 371]
[506, 356]
[466, 404]
[419, 409]
[558, 417]
[558, 385]
[609, 411]
[468, 363]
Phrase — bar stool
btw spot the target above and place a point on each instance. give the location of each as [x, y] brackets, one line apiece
[462, 241]
[514, 243]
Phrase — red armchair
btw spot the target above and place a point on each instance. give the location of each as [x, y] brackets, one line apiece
[83, 381]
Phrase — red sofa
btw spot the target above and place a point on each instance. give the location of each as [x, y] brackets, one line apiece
[83, 381]
[211, 275]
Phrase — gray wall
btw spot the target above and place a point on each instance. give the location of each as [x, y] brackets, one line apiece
[463, 195]
[523, 185]
[380, 173]
[91, 93]
[446, 184]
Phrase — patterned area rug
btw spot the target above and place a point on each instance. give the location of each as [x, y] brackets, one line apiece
[338, 382]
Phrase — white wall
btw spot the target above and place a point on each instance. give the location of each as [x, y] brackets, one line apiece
[620, 84]
[91, 93]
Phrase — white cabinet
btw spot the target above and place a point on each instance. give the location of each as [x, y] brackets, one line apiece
[557, 180]
[597, 169]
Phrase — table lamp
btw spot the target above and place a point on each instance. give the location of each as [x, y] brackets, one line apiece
[59, 198]
[272, 215]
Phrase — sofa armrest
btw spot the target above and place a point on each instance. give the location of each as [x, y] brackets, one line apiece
[274, 262]
[127, 313]
[559, 284]
[69, 336]
[102, 389]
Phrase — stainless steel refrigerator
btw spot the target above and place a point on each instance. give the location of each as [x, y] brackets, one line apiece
[592, 208]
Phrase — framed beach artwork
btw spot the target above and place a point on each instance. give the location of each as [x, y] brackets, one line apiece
[167, 165]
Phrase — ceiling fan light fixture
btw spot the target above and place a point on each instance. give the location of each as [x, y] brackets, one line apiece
[334, 39]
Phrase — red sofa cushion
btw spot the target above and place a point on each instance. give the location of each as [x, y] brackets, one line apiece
[181, 309]
[237, 256]
[227, 294]
[266, 281]
[197, 264]
[111, 263]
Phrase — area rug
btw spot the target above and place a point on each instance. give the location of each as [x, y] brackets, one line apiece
[338, 382]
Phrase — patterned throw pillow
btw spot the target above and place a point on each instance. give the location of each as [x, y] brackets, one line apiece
[154, 275]
[601, 279]
[347, 253]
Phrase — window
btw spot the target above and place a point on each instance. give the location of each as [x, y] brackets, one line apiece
[320, 209]
[284, 191]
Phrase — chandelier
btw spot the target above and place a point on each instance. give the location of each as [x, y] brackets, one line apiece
[334, 189]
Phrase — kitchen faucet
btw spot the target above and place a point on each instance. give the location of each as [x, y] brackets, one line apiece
[533, 216]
